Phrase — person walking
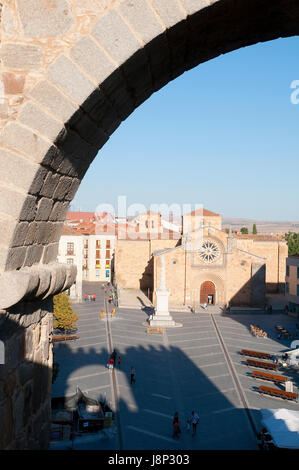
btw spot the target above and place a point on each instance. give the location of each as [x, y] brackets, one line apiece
[176, 426]
[111, 363]
[132, 375]
[194, 422]
[118, 360]
[114, 354]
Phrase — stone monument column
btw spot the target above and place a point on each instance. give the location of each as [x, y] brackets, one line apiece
[162, 316]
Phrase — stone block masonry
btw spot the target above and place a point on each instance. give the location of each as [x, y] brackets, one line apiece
[72, 70]
[26, 375]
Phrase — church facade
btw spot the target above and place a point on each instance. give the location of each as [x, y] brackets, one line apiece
[205, 264]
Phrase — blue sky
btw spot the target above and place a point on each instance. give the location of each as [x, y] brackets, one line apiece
[225, 135]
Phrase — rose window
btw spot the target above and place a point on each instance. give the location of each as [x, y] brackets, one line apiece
[209, 251]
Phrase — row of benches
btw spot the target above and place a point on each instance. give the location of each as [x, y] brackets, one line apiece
[262, 364]
[274, 392]
[155, 329]
[260, 355]
[64, 338]
[257, 374]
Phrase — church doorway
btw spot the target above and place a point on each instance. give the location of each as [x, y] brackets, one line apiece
[207, 293]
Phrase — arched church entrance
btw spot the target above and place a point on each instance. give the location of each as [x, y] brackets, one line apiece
[207, 293]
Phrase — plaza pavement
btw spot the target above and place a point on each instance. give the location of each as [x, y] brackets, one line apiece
[184, 370]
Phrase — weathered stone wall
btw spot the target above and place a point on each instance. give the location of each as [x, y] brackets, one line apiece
[133, 268]
[25, 378]
[275, 253]
[71, 71]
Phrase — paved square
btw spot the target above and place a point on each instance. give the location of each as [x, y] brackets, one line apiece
[189, 368]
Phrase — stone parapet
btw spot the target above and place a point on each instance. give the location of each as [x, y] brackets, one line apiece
[39, 281]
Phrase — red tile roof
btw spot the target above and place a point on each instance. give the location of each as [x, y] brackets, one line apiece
[203, 212]
[260, 238]
[77, 216]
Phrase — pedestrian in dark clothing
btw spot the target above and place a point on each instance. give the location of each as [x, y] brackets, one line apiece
[176, 425]
[132, 375]
[118, 360]
[114, 354]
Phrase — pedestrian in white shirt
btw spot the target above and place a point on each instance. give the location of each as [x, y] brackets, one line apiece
[194, 421]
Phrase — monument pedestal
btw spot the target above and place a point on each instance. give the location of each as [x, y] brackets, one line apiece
[162, 316]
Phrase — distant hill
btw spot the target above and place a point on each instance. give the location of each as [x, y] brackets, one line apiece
[263, 226]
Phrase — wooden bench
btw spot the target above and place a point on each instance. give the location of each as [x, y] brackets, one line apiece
[64, 338]
[263, 365]
[257, 374]
[155, 329]
[261, 355]
[274, 392]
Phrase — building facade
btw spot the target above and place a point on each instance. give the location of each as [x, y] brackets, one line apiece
[292, 284]
[88, 243]
[204, 265]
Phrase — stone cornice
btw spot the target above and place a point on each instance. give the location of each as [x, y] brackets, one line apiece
[38, 281]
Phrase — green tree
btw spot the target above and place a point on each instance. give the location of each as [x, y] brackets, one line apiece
[292, 239]
[254, 229]
[64, 317]
[244, 230]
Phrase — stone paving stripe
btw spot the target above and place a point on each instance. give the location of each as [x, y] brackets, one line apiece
[213, 364]
[157, 413]
[96, 388]
[184, 334]
[85, 338]
[207, 355]
[221, 392]
[150, 433]
[250, 341]
[87, 345]
[147, 339]
[93, 330]
[200, 347]
[238, 386]
[86, 376]
[240, 364]
[91, 324]
[192, 339]
[217, 376]
[224, 410]
[161, 396]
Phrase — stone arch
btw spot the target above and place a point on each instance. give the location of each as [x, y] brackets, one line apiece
[71, 72]
[207, 288]
[220, 291]
[87, 66]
